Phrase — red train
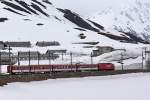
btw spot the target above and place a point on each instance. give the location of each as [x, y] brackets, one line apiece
[59, 67]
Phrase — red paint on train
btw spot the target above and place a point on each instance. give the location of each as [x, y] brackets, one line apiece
[60, 67]
[106, 66]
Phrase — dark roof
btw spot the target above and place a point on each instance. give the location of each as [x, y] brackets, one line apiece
[104, 47]
[5, 53]
[47, 43]
[89, 43]
[18, 44]
[27, 53]
[56, 51]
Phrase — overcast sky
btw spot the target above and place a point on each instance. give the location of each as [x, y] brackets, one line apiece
[86, 7]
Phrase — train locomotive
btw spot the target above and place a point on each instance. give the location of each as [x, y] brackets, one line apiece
[15, 69]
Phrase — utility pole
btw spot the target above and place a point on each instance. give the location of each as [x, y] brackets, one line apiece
[38, 57]
[145, 52]
[29, 58]
[144, 56]
[18, 58]
[49, 54]
[91, 58]
[9, 55]
[122, 61]
[0, 62]
[142, 59]
[62, 56]
[71, 58]
[52, 56]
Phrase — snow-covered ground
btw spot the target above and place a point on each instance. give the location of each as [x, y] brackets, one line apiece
[118, 87]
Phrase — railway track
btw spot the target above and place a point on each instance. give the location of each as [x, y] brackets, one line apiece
[7, 78]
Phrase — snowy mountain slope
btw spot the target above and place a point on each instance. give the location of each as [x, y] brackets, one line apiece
[39, 16]
[42, 11]
[34, 20]
[133, 19]
[37, 20]
[116, 5]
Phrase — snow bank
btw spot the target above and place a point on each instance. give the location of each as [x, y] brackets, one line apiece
[119, 87]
